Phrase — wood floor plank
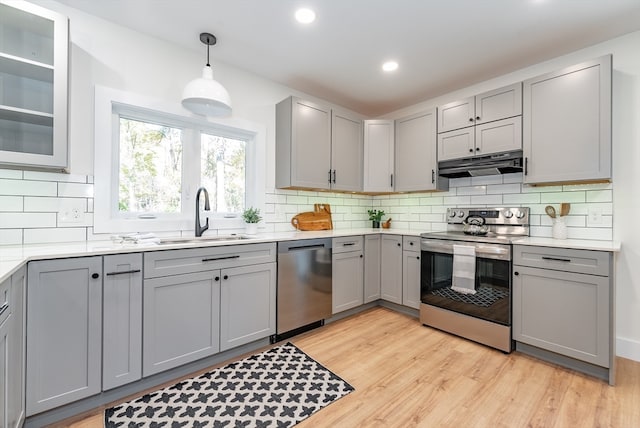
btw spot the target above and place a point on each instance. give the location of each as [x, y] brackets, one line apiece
[409, 375]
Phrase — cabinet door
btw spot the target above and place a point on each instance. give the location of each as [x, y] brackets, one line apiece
[371, 268]
[5, 348]
[499, 136]
[180, 320]
[567, 124]
[346, 152]
[348, 281]
[391, 268]
[411, 279]
[415, 153]
[563, 312]
[122, 309]
[64, 331]
[456, 114]
[247, 304]
[499, 104]
[378, 155]
[456, 144]
[33, 86]
[16, 355]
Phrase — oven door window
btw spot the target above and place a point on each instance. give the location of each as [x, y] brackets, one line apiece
[492, 301]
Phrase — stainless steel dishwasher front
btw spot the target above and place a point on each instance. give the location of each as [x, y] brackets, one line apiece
[304, 284]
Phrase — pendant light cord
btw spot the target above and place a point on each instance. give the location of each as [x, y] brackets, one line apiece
[208, 46]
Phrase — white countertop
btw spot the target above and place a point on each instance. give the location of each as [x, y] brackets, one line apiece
[12, 257]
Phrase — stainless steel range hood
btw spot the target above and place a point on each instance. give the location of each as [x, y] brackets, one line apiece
[497, 163]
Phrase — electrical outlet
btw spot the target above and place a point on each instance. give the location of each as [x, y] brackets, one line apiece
[595, 216]
[70, 216]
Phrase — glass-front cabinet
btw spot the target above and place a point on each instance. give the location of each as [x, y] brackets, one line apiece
[33, 86]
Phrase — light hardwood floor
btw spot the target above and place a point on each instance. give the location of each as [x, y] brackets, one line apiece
[408, 375]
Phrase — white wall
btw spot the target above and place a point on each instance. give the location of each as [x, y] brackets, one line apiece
[108, 55]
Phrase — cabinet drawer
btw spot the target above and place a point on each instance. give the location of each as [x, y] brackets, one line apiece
[411, 243]
[5, 300]
[563, 259]
[347, 243]
[174, 262]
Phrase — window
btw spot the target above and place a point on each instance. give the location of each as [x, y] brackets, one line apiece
[151, 157]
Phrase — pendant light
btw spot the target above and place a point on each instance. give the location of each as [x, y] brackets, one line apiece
[205, 96]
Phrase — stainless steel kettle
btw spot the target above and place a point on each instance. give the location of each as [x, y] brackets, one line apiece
[475, 225]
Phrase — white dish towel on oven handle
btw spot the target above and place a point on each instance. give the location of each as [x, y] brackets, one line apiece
[464, 269]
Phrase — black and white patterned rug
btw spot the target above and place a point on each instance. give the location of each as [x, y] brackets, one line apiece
[275, 388]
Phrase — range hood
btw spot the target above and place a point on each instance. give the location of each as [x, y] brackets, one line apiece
[497, 163]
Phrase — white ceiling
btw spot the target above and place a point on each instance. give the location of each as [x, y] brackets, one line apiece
[441, 45]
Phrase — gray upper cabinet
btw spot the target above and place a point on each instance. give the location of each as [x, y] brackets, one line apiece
[416, 163]
[371, 268]
[303, 144]
[346, 152]
[316, 147]
[247, 304]
[64, 331]
[567, 124]
[122, 320]
[489, 106]
[378, 156]
[33, 86]
[391, 268]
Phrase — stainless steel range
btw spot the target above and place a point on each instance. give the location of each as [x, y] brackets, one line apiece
[465, 275]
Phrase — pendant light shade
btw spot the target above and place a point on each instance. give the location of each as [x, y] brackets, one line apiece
[204, 95]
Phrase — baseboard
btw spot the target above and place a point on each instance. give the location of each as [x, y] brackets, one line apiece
[628, 348]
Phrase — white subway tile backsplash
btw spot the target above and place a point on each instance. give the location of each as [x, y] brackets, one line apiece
[42, 204]
[540, 189]
[459, 182]
[36, 236]
[457, 200]
[11, 173]
[26, 220]
[90, 205]
[10, 236]
[486, 179]
[28, 188]
[486, 200]
[598, 234]
[11, 203]
[512, 178]
[503, 189]
[600, 196]
[558, 197]
[437, 200]
[521, 199]
[75, 190]
[54, 176]
[472, 190]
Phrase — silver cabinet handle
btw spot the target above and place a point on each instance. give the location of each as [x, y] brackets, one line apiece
[3, 308]
[526, 166]
[433, 176]
[124, 272]
[334, 176]
[213, 259]
[348, 244]
[391, 180]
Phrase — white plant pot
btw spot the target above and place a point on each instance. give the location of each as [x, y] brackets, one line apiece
[251, 228]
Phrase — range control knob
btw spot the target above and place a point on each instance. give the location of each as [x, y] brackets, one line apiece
[460, 214]
[519, 214]
[508, 214]
[452, 213]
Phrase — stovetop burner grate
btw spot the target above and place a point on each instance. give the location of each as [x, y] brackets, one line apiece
[484, 297]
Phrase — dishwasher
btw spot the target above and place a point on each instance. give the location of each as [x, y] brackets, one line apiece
[304, 286]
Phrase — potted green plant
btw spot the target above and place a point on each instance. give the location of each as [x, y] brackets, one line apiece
[251, 217]
[375, 216]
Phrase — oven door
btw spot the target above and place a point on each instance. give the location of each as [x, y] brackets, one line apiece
[492, 301]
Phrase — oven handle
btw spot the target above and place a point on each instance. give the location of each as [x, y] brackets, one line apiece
[491, 251]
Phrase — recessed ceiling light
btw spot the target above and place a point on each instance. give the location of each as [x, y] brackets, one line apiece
[390, 66]
[305, 16]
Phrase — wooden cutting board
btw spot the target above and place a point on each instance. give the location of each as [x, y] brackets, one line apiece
[318, 219]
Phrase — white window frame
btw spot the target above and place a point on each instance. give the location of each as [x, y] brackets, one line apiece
[110, 104]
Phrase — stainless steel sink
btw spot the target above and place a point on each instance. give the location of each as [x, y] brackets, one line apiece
[190, 240]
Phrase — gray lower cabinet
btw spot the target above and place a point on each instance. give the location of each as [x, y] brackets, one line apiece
[560, 308]
[411, 272]
[391, 268]
[64, 331]
[12, 387]
[371, 268]
[247, 304]
[347, 273]
[181, 321]
[122, 320]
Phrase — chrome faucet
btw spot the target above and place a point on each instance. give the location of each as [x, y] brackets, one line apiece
[201, 229]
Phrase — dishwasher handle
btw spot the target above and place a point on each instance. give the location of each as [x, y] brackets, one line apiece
[306, 247]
